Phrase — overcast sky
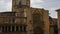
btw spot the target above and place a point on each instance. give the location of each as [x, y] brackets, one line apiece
[51, 5]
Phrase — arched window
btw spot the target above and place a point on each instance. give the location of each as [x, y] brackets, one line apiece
[36, 18]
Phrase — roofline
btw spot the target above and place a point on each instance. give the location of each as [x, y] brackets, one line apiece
[57, 10]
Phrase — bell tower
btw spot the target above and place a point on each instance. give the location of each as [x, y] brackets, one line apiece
[20, 3]
[22, 13]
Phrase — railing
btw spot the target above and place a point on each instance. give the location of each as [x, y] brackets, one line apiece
[13, 28]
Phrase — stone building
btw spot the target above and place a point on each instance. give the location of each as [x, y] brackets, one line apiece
[58, 13]
[53, 25]
[24, 19]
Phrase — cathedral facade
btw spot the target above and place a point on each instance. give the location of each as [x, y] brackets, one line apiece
[24, 19]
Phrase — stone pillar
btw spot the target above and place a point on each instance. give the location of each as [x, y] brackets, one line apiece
[11, 28]
[22, 28]
[46, 21]
[15, 28]
[58, 13]
[19, 28]
[29, 22]
[1, 29]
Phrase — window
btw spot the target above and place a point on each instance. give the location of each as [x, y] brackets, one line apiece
[6, 20]
[36, 18]
[17, 2]
[23, 2]
[20, 14]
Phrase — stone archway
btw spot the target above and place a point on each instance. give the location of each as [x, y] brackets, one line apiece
[38, 30]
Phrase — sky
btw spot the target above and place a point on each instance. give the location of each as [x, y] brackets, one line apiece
[51, 5]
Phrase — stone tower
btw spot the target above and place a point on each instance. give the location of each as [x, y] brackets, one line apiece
[19, 7]
[22, 10]
[16, 4]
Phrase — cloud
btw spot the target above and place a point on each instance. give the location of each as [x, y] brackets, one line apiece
[51, 5]
[5, 5]
[36, 3]
[53, 14]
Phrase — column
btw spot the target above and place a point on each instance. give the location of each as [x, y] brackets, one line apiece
[11, 28]
[19, 28]
[15, 28]
[1, 29]
[22, 28]
[46, 21]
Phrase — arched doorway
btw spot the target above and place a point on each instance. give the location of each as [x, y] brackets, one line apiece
[38, 30]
